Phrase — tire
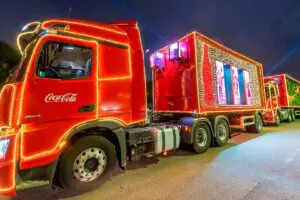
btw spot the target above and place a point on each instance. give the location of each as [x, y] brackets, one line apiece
[290, 118]
[257, 126]
[293, 115]
[82, 158]
[277, 120]
[222, 133]
[201, 137]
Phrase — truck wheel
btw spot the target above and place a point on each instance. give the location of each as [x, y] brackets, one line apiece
[277, 120]
[293, 115]
[201, 137]
[290, 118]
[222, 133]
[87, 164]
[257, 126]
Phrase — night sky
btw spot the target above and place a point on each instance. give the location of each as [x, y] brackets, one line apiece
[265, 30]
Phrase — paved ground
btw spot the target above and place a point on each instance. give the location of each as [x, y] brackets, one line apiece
[249, 168]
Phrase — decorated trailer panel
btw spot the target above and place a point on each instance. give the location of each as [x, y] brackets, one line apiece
[198, 75]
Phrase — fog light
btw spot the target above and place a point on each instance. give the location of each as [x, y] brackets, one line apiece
[3, 147]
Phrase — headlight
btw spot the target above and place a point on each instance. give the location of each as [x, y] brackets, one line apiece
[3, 147]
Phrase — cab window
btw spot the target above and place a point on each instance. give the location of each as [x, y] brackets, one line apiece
[273, 94]
[267, 91]
[64, 61]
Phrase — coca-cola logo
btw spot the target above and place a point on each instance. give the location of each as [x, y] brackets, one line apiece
[68, 97]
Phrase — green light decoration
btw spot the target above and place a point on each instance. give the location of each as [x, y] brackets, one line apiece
[293, 92]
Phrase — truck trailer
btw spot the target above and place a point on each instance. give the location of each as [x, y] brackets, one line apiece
[198, 76]
[283, 98]
[76, 105]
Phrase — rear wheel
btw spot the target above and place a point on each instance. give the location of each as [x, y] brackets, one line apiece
[87, 164]
[201, 137]
[257, 126]
[222, 133]
[293, 115]
[277, 120]
[290, 118]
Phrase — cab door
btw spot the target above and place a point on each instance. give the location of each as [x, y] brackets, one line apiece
[61, 81]
[59, 93]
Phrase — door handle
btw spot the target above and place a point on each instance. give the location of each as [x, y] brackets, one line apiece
[87, 108]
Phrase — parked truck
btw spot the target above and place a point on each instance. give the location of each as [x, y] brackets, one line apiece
[76, 105]
[283, 98]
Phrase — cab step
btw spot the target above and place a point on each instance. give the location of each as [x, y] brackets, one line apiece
[36, 184]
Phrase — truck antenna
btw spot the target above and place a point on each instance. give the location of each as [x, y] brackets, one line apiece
[69, 12]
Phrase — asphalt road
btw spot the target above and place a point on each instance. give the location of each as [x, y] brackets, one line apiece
[250, 167]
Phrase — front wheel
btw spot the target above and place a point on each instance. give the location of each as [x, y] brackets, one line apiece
[87, 164]
[257, 126]
[201, 137]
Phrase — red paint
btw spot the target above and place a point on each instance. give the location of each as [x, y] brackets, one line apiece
[280, 79]
[207, 78]
[116, 87]
[175, 87]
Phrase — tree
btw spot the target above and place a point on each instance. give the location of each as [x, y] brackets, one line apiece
[9, 57]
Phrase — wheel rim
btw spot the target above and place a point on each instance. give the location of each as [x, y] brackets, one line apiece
[89, 165]
[222, 132]
[201, 137]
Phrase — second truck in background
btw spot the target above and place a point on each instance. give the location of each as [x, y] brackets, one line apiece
[283, 98]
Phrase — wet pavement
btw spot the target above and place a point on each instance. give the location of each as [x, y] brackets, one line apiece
[250, 167]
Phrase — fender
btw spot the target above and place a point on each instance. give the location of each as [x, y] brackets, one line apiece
[115, 126]
[215, 121]
[187, 126]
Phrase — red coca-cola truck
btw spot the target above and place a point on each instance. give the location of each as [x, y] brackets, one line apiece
[76, 105]
[282, 98]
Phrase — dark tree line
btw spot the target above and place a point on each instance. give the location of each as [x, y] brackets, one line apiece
[9, 58]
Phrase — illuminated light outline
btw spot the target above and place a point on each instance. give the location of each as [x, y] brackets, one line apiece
[12, 104]
[54, 149]
[25, 83]
[233, 53]
[58, 145]
[278, 75]
[196, 62]
[286, 90]
[31, 62]
[96, 37]
[208, 112]
[144, 72]
[100, 27]
[27, 32]
[97, 80]
[14, 165]
[62, 139]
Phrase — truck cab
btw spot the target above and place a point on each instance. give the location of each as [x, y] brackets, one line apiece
[274, 114]
[75, 76]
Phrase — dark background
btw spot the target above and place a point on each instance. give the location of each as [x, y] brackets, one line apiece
[265, 30]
